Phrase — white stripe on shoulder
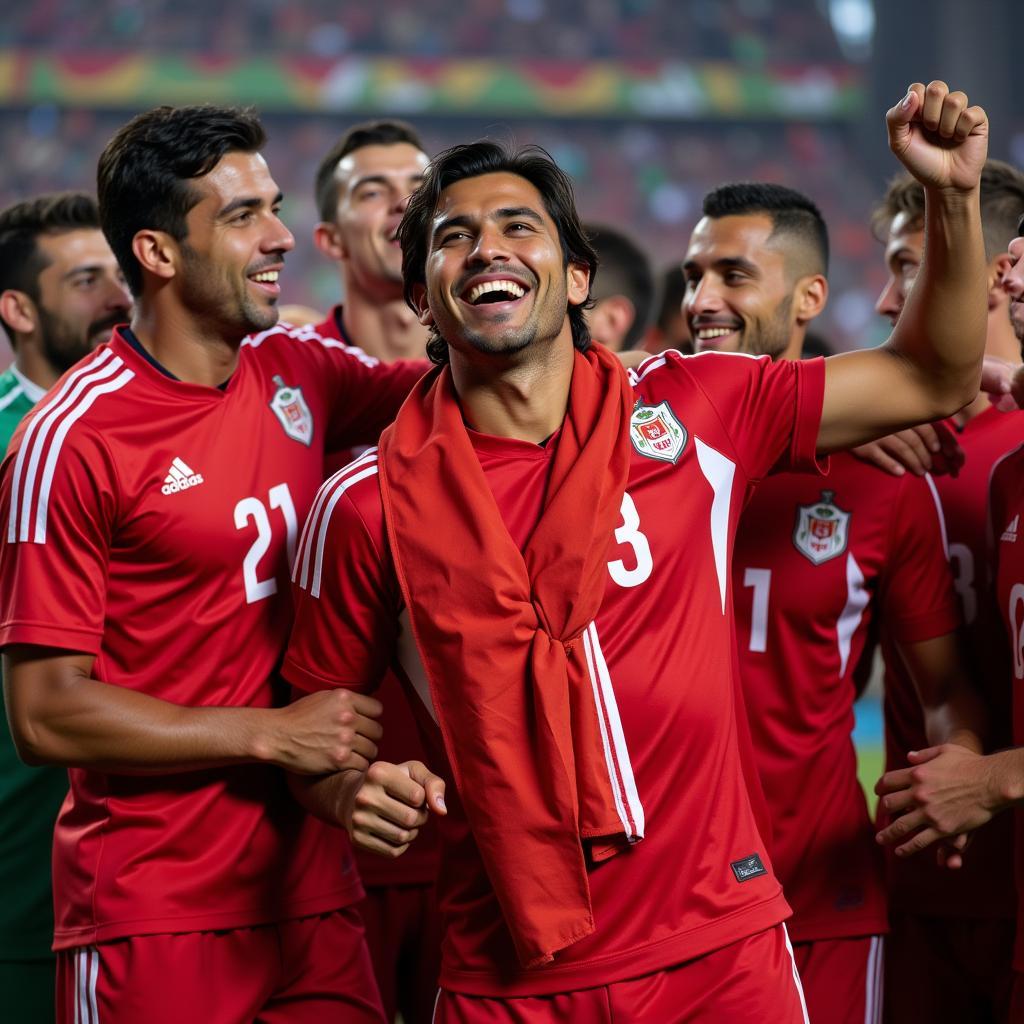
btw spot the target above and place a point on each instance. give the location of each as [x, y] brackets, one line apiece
[304, 558]
[40, 422]
[16, 392]
[306, 333]
[939, 513]
[369, 470]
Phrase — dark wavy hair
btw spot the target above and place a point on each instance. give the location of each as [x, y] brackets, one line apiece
[143, 178]
[486, 157]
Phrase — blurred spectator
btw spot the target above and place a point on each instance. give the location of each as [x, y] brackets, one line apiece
[623, 290]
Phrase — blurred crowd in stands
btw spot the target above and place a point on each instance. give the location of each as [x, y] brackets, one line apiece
[751, 32]
[645, 179]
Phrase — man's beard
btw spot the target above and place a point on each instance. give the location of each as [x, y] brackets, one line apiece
[64, 345]
[769, 337]
[235, 311]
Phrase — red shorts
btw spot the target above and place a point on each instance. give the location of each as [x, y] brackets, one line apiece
[948, 970]
[754, 979]
[313, 970]
[842, 979]
[403, 932]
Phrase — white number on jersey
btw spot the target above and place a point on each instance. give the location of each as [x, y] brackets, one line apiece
[761, 581]
[961, 558]
[629, 533]
[279, 498]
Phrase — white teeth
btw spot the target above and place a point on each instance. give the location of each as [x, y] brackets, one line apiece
[267, 277]
[707, 333]
[513, 289]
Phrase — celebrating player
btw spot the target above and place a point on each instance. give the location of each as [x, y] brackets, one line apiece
[948, 952]
[61, 292]
[362, 187]
[543, 546]
[817, 564]
[151, 505]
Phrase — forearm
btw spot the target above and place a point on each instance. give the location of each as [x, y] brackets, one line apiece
[1007, 777]
[940, 336]
[91, 724]
[328, 797]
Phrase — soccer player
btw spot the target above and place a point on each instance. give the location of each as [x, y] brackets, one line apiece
[818, 563]
[542, 545]
[61, 292]
[151, 505]
[362, 187]
[623, 292]
[947, 791]
[949, 950]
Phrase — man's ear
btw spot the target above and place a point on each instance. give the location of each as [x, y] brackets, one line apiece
[998, 267]
[327, 238]
[577, 280]
[156, 252]
[811, 296]
[19, 311]
[419, 298]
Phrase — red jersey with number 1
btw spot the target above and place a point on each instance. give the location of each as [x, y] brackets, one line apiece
[660, 654]
[983, 887]
[1006, 519]
[816, 562]
[151, 523]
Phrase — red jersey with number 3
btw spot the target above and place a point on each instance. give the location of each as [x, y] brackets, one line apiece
[660, 653]
[1006, 519]
[983, 887]
[151, 522]
[816, 562]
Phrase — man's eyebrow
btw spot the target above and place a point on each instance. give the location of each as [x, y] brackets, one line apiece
[369, 179]
[458, 221]
[726, 263]
[513, 212]
[250, 203]
[83, 268]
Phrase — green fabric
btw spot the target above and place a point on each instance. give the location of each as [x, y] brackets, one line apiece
[29, 801]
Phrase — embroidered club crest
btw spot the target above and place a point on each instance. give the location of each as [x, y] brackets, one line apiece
[656, 433]
[822, 529]
[292, 412]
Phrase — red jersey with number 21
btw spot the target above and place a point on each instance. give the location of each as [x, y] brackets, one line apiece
[660, 654]
[151, 523]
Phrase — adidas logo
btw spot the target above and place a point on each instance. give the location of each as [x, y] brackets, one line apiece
[180, 478]
[1010, 533]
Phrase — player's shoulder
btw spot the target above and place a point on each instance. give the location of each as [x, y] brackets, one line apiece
[1008, 470]
[303, 342]
[352, 495]
[672, 368]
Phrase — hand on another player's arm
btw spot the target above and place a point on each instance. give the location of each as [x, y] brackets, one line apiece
[926, 448]
[392, 804]
[948, 790]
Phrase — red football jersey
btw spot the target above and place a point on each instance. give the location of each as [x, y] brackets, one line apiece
[1006, 515]
[151, 522]
[816, 562]
[983, 887]
[401, 741]
[660, 653]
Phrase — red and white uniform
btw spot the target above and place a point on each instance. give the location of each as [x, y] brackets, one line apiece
[660, 650]
[983, 887]
[150, 522]
[817, 562]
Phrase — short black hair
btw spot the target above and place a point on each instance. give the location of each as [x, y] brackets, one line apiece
[472, 160]
[144, 174]
[22, 225]
[1002, 205]
[367, 133]
[625, 270]
[791, 212]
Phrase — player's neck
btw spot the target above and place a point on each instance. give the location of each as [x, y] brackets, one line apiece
[178, 342]
[32, 364]
[525, 400]
[387, 330]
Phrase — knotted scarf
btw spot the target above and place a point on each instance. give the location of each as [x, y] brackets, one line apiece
[498, 630]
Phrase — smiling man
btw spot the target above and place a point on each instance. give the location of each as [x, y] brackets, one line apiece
[151, 505]
[541, 545]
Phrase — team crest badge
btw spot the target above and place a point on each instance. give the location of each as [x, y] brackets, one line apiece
[656, 433]
[822, 529]
[292, 412]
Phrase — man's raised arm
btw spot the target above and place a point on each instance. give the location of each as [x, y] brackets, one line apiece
[930, 367]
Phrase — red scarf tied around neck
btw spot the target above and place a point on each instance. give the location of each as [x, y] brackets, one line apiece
[498, 630]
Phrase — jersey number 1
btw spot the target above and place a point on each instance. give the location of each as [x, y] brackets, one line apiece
[279, 497]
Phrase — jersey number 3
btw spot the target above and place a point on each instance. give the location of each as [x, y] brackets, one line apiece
[253, 509]
[629, 533]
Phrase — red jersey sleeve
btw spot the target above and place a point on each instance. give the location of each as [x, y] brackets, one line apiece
[58, 522]
[346, 602]
[770, 410]
[918, 599]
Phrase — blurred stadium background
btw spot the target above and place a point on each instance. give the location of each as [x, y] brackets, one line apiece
[647, 103]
